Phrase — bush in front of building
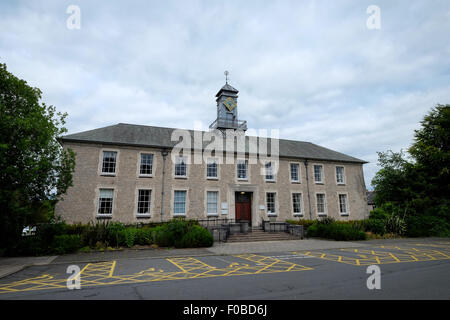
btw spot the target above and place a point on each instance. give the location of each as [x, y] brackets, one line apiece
[180, 233]
[336, 231]
[196, 237]
[60, 238]
[302, 222]
[66, 243]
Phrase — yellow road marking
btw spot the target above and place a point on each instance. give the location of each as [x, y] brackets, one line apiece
[96, 274]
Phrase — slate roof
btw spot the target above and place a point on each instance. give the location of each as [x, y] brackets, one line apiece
[370, 197]
[227, 87]
[160, 137]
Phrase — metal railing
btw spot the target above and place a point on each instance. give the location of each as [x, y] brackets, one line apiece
[222, 228]
[227, 123]
[295, 230]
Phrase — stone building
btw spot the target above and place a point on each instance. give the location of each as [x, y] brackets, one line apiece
[130, 173]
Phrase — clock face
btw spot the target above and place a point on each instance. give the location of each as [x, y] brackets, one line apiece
[230, 104]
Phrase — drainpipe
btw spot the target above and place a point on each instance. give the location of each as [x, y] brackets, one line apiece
[307, 188]
[164, 155]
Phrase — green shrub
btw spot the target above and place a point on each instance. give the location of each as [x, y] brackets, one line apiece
[379, 213]
[161, 237]
[78, 228]
[377, 226]
[395, 224]
[181, 233]
[94, 233]
[116, 236]
[326, 220]
[196, 237]
[143, 236]
[66, 243]
[303, 222]
[28, 246]
[47, 231]
[425, 226]
[130, 234]
[336, 231]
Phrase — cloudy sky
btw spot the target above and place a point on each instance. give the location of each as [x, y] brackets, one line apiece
[312, 69]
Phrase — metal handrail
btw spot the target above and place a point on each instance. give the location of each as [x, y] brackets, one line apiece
[227, 123]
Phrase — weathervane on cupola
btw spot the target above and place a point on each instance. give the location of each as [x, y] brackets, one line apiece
[227, 116]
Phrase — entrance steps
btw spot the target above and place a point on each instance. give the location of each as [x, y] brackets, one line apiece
[260, 235]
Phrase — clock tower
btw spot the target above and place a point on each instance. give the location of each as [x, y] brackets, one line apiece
[227, 115]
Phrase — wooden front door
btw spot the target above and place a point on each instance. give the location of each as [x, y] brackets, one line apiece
[243, 205]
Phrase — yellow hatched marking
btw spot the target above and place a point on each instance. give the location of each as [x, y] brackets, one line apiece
[98, 274]
[365, 257]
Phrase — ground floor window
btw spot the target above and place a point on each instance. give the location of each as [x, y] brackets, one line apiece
[179, 202]
[212, 200]
[271, 205]
[144, 200]
[297, 203]
[105, 201]
[321, 205]
[343, 204]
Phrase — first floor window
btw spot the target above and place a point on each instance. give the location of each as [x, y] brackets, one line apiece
[105, 201]
[269, 171]
[340, 175]
[109, 162]
[179, 202]
[180, 167]
[343, 204]
[144, 200]
[270, 199]
[320, 197]
[242, 166]
[211, 168]
[318, 171]
[146, 164]
[297, 203]
[212, 199]
[295, 177]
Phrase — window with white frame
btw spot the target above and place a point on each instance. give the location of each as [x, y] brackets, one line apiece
[269, 171]
[179, 202]
[295, 172]
[340, 175]
[109, 162]
[271, 203]
[212, 202]
[242, 169]
[144, 201]
[297, 203]
[343, 204]
[180, 167]
[105, 201]
[318, 173]
[212, 169]
[146, 167]
[321, 204]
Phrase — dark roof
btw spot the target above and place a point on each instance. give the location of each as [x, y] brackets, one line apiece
[370, 197]
[160, 137]
[227, 87]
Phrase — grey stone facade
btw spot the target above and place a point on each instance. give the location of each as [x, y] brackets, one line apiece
[81, 202]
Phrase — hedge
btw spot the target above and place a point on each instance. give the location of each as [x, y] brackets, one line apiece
[336, 231]
[60, 238]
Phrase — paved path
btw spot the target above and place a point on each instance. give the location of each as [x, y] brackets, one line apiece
[11, 265]
[275, 246]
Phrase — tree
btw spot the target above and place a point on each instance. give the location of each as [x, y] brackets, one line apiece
[418, 188]
[34, 169]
